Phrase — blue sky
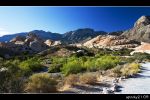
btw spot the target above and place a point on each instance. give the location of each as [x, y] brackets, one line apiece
[63, 19]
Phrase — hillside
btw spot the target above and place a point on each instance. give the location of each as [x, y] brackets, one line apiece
[81, 35]
[111, 42]
[140, 31]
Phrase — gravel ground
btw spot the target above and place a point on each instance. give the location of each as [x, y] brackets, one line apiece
[140, 84]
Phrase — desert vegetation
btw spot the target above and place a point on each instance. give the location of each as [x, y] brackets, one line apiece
[41, 83]
[27, 75]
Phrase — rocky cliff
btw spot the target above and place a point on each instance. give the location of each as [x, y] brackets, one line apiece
[141, 30]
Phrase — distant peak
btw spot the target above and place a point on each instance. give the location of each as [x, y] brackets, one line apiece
[142, 21]
[84, 29]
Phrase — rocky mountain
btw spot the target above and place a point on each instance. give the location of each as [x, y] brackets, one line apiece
[78, 35]
[47, 35]
[9, 37]
[111, 42]
[40, 33]
[140, 31]
[81, 35]
[117, 33]
[31, 43]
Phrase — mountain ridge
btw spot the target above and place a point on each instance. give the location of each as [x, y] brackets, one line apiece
[77, 35]
[139, 32]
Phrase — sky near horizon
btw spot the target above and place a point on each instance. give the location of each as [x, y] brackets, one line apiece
[63, 19]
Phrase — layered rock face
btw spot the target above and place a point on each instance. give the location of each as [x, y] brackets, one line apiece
[32, 43]
[141, 30]
[49, 42]
[52, 43]
[37, 46]
[110, 41]
[143, 48]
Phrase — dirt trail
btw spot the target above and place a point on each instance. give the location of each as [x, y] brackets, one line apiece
[140, 84]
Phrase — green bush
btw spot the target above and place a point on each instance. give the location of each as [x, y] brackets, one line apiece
[31, 65]
[41, 83]
[72, 67]
[54, 68]
[122, 52]
[141, 56]
[57, 64]
[107, 62]
[90, 65]
[76, 65]
[56, 60]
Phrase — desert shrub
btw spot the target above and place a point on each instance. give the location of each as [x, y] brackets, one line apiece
[127, 60]
[12, 79]
[104, 51]
[117, 71]
[41, 83]
[54, 68]
[84, 58]
[57, 64]
[71, 80]
[107, 62]
[11, 62]
[56, 60]
[12, 85]
[130, 69]
[141, 56]
[72, 58]
[90, 65]
[31, 65]
[88, 78]
[72, 67]
[122, 52]
[1, 59]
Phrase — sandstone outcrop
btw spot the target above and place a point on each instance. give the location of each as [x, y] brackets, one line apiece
[110, 41]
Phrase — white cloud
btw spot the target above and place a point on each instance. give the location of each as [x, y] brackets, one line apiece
[3, 32]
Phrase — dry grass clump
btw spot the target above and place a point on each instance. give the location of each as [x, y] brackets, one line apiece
[88, 78]
[130, 69]
[116, 72]
[41, 83]
[124, 70]
[71, 80]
